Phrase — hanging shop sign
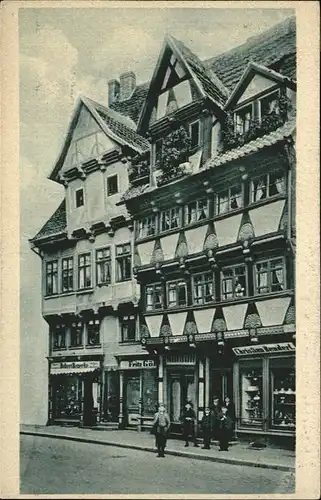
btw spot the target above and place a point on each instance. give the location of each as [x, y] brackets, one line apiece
[137, 363]
[64, 367]
[284, 347]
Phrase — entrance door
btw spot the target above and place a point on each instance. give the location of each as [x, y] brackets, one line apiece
[222, 385]
[132, 395]
[88, 401]
[181, 387]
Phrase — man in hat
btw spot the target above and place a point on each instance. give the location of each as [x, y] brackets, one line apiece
[188, 419]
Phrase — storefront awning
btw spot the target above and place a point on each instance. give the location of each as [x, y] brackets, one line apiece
[74, 367]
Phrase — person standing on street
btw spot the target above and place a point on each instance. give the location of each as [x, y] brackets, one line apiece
[160, 428]
[188, 419]
[206, 425]
[231, 413]
[216, 416]
[224, 429]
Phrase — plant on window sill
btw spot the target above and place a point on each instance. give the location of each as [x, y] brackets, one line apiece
[176, 148]
[139, 169]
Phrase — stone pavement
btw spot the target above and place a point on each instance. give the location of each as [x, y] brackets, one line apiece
[239, 454]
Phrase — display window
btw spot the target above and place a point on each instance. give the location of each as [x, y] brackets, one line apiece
[282, 395]
[68, 397]
[150, 396]
[251, 390]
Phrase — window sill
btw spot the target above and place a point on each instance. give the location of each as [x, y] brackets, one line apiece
[66, 294]
[123, 281]
[62, 348]
[129, 342]
[81, 291]
[93, 346]
[52, 296]
[107, 283]
[73, 347]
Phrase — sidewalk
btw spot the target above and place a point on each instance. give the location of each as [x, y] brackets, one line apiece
[238, 454]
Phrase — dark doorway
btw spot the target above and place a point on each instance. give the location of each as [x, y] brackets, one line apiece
[181, 388]
[89, 417]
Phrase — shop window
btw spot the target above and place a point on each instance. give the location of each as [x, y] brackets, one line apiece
[283, 397]
[67, 274]
[112, 185]
[76, 335]
[203, 288]
[128, 328]
[176, 293]
[229, 199]
[147, 226]
[103, 266]
[52, 277]
[251, 394]
[170, 219]
[93, 332]
[59, 337]
[196, 211]
[194, 131]
[67, 400]
[150, 393]
[233, 282]
[267, 185]
[123, 262]
[79, 197]
[84, 271]
[242, 120]
[269, 104]
[269, 276]
[153, 297]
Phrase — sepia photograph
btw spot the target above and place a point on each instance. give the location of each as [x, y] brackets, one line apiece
[158, 187]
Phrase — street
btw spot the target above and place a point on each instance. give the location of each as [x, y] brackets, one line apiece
[54, 466]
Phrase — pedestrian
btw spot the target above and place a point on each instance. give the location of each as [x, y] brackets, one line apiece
[224, 430]
[160, 428]
[188, 419]
[216, 416]
[206, 425]
[231, 413]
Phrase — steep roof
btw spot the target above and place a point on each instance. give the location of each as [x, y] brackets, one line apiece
[57, 224]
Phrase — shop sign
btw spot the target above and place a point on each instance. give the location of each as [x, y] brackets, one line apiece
[137, 363]
[74, 367]
[284, 347]
[181, 359]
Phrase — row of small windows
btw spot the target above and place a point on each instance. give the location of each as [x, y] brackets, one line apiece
[269, 277]
[265, 186]
[111, 189]
[103, 266]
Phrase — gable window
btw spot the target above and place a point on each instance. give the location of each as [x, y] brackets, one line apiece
[123, 262]
[52, 277]
[176, 293]
[269, 276]
[79, 197]
[242, 120]
[170, 219]
[194, 131]
[103, 266]
[67, 274]
[147, 226]
[112, 185]
[59, 337]
[153, 297]
[203, 288]
[76, 334]
[128, 328]
[196, 211]
[233, 282]
[229, 199]
[268, 185]
[269, 104]
[93, 333]
[84, 271]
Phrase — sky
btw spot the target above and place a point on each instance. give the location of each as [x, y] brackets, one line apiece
[68, 51]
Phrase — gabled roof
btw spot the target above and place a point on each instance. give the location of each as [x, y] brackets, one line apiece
[256, 69]
[118, 127]
[56, 225]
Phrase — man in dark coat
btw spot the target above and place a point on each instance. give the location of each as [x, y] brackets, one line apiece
[188, 418]
[216, 416]
[206, 425]
[160, 428]
[224, 430]
[231, 413]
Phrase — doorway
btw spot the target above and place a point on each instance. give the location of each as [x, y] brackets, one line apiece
[221, 384]
[132, 396]
[181, 388]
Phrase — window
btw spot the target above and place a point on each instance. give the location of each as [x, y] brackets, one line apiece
[76, 334]
[194, 130]
[128, 328]
[67, 274]
[234, 283]
[229, 199]
[158, 151]
[103, 266]
[59, 337]
[84, 270]
[251, 394]
[203, 288]
[147, 226]
[267, 185]
[52, 277]
[154, 297]
[269, 276]
[79, 197]
[123, 259]
[282, 395]
[112, 185]
[242, 120]
[170, 219]
[93, 333]
[196, 211]
[269, 104]
[176, 293]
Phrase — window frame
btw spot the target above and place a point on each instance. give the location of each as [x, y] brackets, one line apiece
[84, 267]
[95, 323]
[191, 124]
[65, 273]
[176, 282]
[264, 96]
[54, 273]
[152, 306]
[59, 330]
[222, 279]
[269, 275]
[77, 191]
[75, 328]
[103, 261]
[121, 257]
[197, 211]
[125, 321]
[162, 214]
[140, 223]
[203, 284]
[229, 189]
[237, 113]
[267, 186]
[108, 179]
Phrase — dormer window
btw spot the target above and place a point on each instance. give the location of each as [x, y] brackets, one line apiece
[242, 119]
[194, 131]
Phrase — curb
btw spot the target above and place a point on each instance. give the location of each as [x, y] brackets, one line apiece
[185, 454]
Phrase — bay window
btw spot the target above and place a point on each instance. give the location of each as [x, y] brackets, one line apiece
[268, 185]
[176, 293]
[170, 219]
[153, 297]
[233, 282]
[229, 199]
[269, 276]
[103, 266]
[196, 211]
[203, 288]
[52, 277]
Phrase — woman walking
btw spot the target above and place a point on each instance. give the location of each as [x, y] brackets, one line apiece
[160, 428]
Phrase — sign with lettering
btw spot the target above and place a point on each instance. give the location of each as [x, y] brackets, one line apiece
[284, 347]
[74, 367]
[137, 363]
[181, 359]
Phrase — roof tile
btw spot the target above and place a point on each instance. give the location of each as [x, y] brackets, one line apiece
[57, 223]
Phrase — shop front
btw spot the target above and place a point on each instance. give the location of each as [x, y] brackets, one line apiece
[264, 386]
[74, 392]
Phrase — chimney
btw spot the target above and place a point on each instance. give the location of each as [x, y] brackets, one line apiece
[113, 91]
[127, 85]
